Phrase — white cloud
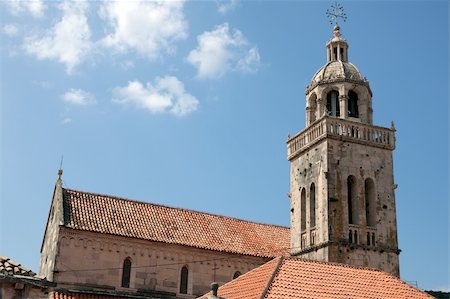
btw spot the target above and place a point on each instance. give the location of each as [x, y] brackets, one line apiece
[222, 50]
[34, 7]
[68, 41]
[10, 29]
[66, 120]
[165, 95]
[226, 6]
[250, 63]
[78, 97]
[148, 27]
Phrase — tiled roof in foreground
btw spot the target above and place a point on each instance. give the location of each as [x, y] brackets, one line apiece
[117, 216]
[292, 277]
[10, 267]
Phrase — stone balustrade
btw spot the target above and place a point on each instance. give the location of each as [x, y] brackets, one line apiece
[342, 129]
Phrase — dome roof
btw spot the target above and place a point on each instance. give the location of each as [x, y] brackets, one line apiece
[337, 71]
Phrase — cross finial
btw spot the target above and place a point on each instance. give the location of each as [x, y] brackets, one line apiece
[335, 12]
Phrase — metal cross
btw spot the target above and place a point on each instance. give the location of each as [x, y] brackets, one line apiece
[335, 12]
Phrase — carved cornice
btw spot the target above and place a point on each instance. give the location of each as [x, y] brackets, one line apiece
[313, 85]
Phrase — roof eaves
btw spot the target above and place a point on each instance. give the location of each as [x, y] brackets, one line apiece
[272, 277]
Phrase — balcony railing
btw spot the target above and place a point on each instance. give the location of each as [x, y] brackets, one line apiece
[338, 128]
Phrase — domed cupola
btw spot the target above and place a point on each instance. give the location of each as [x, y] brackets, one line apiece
[338, 89]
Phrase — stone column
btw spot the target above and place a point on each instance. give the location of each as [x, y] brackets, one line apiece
[343, 106]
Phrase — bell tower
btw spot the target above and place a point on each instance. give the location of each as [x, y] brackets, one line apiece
[341, 171]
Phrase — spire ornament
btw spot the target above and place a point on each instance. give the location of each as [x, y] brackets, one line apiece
[335, 12]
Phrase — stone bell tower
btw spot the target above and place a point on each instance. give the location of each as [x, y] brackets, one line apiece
[341, 171]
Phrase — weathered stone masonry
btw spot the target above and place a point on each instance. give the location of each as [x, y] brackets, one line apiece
[342, 186]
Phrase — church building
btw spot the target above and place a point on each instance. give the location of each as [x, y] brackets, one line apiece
[342, 240]
[121, 248]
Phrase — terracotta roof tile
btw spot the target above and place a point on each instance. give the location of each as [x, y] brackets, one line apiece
[10, 267]
[250, 285]
[299, 278]
[128, 218]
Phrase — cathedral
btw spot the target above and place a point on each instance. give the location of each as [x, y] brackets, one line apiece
[342, 237]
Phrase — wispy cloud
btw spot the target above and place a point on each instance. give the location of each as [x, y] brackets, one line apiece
[225, 6]
[34, 7]
[250, 63]
[68, 41]
[66, 121]
[222, 50]
[149, 28]
[78, 97]
[165, 95]
[10, 29]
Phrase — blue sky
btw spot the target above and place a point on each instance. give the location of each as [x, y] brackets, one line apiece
[189, 104]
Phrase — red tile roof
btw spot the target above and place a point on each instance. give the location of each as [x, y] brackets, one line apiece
[298, 278]
[117, 216]
[10, 267]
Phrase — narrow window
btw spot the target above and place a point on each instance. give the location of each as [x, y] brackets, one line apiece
[369, 190]
[312, 205]
[355, 237]
[335, 53]
[303, 210]
[333, 103]
[352, 200]
[126, 270]
[312, 108]
[352, 104]
[368, 238]
[342, 53]
[184, 280]
[373, 239]
[236, 274]
[350, 236]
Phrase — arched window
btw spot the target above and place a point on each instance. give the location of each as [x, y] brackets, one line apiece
[312, 205]
[126, 271]
[236, 274]
[352, 104]
[352, 201]
[369, 190]
[333, 103]
[312, 106]
[184, 280]
[303, 210]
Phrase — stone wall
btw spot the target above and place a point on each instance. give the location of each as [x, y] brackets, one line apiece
[50, 241]
[11, 289]
[87, 259]
[328, 161]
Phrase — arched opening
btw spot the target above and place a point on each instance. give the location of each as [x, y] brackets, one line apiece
[352, 104]
[333, 103]
[369, 190]
[236, 274]
[184, 280]
[303, 210]
[126, 271]
[352, 202]
[312, 205]
[312, 108]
